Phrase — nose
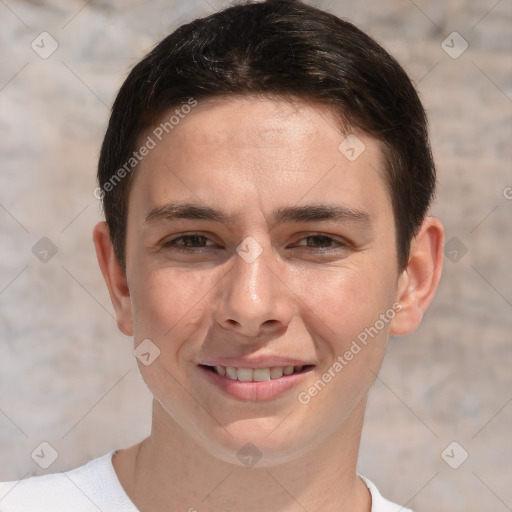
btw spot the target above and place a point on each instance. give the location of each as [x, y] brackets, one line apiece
[254, 301]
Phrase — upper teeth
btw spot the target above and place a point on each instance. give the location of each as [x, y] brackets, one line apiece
[256, 374]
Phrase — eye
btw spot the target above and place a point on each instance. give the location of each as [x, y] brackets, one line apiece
[187, 242]
[197, 243]
[322, 242]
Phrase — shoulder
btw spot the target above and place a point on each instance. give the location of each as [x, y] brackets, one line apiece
[379, 503]
[88, 488]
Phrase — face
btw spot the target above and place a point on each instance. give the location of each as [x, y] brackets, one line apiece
[254, 243]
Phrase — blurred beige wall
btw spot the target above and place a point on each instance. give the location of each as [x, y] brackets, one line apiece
[68, 377]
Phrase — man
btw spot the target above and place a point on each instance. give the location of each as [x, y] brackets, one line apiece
[266, 176]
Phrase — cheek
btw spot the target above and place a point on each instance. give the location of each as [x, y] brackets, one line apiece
[342, 303]
[169, 304]
[342, 312]
[171, 307]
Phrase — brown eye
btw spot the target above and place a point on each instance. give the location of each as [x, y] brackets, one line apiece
[322, 242]
[187, 242]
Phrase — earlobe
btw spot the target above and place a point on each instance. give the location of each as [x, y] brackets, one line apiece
[115, 278]
[418, 283]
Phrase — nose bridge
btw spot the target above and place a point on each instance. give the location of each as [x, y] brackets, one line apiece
[255, 275]
[254, 299]
[251, 284]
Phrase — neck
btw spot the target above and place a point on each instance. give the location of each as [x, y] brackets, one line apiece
[170, 471]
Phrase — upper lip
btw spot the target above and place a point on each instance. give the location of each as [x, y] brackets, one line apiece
[255, 362]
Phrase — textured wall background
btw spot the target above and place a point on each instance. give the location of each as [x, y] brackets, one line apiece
[68, 377]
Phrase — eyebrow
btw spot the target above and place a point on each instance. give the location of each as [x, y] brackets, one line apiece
[307, 213]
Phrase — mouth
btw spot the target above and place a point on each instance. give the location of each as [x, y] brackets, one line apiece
[257, 374]
[262, 383]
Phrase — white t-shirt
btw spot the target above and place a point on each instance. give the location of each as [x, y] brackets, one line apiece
[95, 487]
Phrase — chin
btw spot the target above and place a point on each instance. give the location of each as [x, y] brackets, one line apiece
[247, 444]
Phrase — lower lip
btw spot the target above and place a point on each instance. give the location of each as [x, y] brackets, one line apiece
[256, 391]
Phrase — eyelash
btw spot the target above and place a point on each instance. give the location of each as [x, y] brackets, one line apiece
[172, 244]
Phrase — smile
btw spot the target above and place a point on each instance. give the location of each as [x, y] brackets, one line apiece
[257, 374]
[255, 384]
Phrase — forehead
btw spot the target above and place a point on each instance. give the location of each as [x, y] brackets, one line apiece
[245, 123]
[257, 149]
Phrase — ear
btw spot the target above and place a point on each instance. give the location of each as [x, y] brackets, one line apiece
[115, 277]
[418, 283]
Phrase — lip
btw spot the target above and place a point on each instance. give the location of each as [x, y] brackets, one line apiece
[255, 362]
[254, 391]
